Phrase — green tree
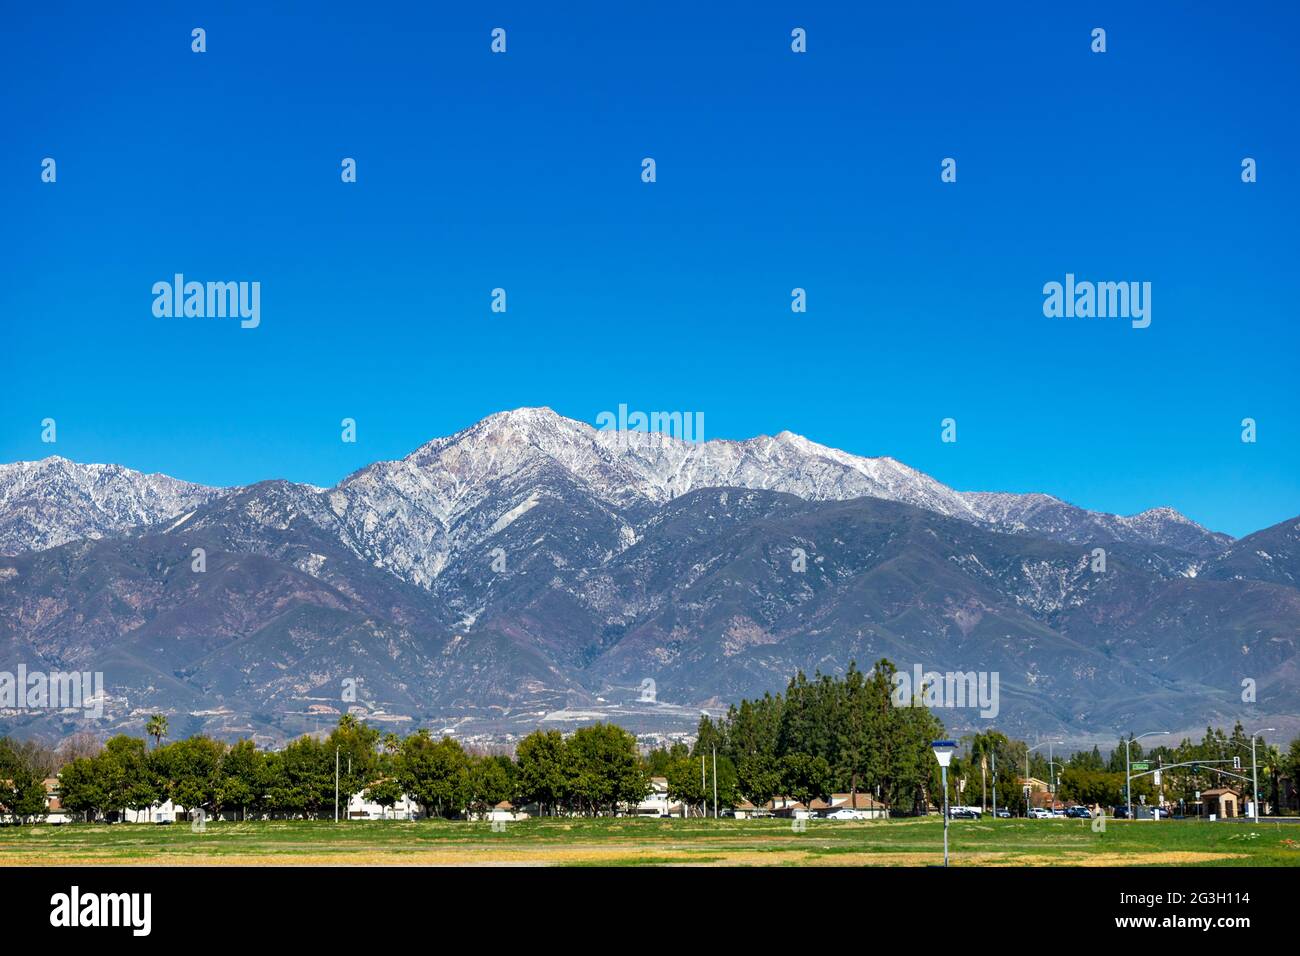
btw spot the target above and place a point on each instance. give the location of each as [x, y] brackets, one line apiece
[301, 778]
[605, 771]
[543, 774]
[759, 778]
[241, 779]
[686, 781]
[356, 746]
[805, 778]
[386, 791]
[22, 781]
[435, 774]
[156, 727]
[491, 781]
[81, 788]
[193, 772]
[130, 777]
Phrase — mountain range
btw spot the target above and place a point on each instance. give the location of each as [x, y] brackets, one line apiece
[532, 569]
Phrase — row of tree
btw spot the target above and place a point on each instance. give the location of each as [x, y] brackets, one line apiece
[823, 735]
[1219, 759]
[595, 770]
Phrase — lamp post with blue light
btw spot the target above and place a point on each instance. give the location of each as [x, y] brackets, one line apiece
[943, 750]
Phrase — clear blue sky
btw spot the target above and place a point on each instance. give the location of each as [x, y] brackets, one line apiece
[775, 170]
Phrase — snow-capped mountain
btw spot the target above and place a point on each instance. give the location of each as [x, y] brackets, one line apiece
[46, 503]
[411, 516]
[532, 564]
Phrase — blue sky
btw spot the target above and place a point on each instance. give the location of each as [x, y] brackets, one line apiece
[775, 170]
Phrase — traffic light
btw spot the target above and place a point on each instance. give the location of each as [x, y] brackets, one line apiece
[1236, 763]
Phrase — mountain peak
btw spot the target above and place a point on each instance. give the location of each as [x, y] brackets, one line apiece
[54, 500]
[513, 454]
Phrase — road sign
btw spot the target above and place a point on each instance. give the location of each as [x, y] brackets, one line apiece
[1141, 765]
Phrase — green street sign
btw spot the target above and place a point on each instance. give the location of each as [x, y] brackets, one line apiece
[1141, 765]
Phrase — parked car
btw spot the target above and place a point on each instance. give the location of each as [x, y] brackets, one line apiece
[845, 813]
[1003, 814]
[1039, 813]
[1119, 813]
[963, 813]
[1078, 813]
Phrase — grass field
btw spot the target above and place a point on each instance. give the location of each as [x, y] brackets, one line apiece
[642, 842]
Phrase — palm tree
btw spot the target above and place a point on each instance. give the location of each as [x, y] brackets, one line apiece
[156, 727]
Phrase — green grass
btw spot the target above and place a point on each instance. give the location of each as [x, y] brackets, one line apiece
[627, 842]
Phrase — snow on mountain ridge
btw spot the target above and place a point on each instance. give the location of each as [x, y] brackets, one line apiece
[413, 515]
[52, 501]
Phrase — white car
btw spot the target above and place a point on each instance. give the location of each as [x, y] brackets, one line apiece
[1039, 813]
[845, 813]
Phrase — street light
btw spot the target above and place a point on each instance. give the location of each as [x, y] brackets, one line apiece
[943, 750]
[1128, 777]
[1254, 774]
[1049, 744]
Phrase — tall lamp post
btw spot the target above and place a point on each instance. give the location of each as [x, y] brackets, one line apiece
[943, 750]
[1128, 773]
[1049, 744]
[1254, 773]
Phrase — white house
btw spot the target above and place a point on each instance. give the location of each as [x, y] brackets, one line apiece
[359, 808]
[656, 802]
[505, 812]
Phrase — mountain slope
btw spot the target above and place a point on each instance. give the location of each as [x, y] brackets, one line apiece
[46, 503]
[413, 515]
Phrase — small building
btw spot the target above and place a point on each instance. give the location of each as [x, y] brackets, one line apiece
[864, 803]
[1223, 802]
[503, 812]
[789, 808]
[656, 802]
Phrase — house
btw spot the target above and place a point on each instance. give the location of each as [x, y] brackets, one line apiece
[1223, 802]
[1034, 784]
[360, 808]
[788, 808]
[864, 803]
[656, 802]
[165, 812]
[54, 812]
[1043, 800]
[503, 812]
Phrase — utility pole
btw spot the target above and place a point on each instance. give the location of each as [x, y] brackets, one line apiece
[995, 784]
[1128, 763]
[1254, 783]
[336, 784]
[1254, 775]
[704, 787]
[984, 784]
[715, 781]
